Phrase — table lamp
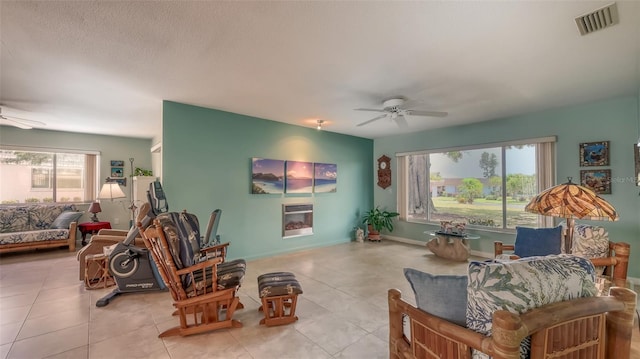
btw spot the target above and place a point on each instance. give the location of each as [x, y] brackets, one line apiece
[569, 200]
[95, 208]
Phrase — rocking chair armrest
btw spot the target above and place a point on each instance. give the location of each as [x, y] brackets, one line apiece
[211, 263]
[220, 293]
[222, 247]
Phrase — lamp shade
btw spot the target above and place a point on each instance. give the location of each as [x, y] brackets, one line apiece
[570, 201]
[95, 208]
[111, 191]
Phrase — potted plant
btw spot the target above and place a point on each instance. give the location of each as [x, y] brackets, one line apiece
[376, 220]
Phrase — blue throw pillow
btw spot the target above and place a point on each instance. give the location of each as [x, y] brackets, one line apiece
[63, 221]
[444, 296]
[538, 241]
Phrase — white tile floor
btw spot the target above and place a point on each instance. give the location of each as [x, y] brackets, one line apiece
[45, 312]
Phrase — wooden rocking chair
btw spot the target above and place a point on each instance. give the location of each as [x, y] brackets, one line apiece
[200, 303]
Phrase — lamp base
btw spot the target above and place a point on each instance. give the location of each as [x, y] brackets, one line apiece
[95, 218]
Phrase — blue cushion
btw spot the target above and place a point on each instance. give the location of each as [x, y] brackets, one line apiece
[538, 241]
[444, 296]
[64, 219]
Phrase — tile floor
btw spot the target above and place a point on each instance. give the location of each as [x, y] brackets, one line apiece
[45, 312]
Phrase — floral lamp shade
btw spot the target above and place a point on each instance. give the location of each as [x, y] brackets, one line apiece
[570, 201]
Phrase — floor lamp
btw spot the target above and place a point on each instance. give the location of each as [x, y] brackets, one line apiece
[111, 191]
[570, 201]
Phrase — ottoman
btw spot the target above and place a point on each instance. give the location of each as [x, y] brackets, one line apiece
[279, 293]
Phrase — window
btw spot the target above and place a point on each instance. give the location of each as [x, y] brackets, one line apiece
[32, 176]
[482, 186]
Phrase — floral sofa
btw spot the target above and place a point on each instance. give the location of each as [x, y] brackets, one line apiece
[25, 227]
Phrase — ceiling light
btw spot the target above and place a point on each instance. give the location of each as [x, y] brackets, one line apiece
[319, 127]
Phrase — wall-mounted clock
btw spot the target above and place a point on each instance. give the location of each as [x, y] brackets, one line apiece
[384, 171]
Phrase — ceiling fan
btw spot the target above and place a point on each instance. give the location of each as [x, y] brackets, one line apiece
[394, 109]
[19, 122]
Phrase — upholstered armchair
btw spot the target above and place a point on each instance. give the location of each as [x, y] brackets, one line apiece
[97, 243]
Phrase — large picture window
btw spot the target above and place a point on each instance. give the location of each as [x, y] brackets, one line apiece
[28, 176]
[486, 187]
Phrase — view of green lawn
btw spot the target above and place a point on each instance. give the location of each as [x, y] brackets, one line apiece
[481, 212]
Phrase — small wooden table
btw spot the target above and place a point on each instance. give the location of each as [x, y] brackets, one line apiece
[96, 272]
[92, 227]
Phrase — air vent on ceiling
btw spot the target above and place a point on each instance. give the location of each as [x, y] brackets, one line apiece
[598, 19]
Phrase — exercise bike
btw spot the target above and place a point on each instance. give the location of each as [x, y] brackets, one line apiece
[132, 267]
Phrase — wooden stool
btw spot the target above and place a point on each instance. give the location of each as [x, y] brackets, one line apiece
[96, 272]
[279, 293]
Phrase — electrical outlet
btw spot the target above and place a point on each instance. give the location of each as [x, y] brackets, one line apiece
[116, 221]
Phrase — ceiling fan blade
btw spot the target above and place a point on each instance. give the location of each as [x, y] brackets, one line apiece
[369, 109]
[371, 120]
[14, 123]
[402, 122]
[426, 113]
[24, 121]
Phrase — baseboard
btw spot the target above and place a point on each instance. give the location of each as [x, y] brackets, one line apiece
[405, 240]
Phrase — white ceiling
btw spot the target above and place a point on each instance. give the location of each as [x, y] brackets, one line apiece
[105, 67]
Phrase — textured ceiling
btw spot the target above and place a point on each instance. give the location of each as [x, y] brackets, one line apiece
[105, 67]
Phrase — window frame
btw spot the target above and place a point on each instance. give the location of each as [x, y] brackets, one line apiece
[545, 163]
[90, 170]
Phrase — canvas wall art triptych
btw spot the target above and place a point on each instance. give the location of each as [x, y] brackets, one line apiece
[270, 176]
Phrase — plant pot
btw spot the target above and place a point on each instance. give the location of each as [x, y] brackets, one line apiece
[372, 234]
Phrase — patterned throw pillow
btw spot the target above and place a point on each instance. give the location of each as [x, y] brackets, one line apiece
[14, 219]
[524, 284]
[590, 241]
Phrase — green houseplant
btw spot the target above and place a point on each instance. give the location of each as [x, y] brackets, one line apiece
[376, 220]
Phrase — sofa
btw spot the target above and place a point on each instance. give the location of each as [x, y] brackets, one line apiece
[535, 307]
[25, 227]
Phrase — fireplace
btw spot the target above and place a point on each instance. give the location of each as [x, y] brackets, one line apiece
[297, 220]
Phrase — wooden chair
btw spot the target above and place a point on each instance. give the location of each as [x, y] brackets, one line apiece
[201, 305]
[616, 263]
[585, 328]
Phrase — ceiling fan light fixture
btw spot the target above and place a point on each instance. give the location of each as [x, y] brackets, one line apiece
[319, 126]
[396, 109]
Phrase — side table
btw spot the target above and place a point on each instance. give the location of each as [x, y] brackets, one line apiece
[450, 246]
[92, 227]
[96, 272]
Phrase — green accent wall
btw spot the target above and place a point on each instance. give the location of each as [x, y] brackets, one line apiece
[110, 148]
[615, 120]
[206, 157]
